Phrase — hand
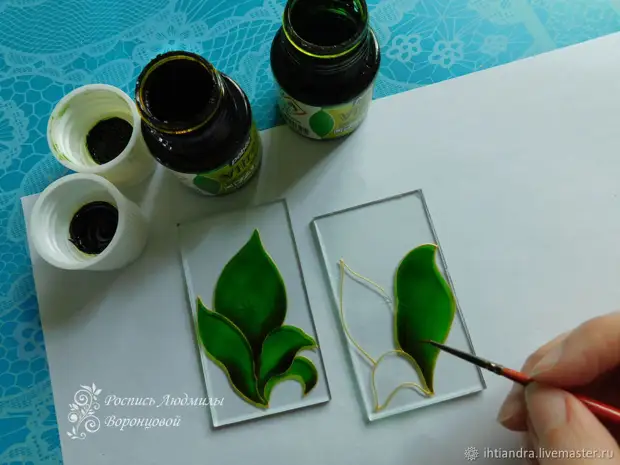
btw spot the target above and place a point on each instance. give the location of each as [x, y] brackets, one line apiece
[585, 361]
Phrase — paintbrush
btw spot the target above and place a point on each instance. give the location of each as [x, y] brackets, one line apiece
[601, 410]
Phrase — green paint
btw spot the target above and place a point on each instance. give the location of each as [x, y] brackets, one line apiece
[425, 309]
[245, 332]
[251, 293]
[107, 139]
[279, 350]
[230, 350]
[93, 227]
[62, 112]
[302, 370]
[58, 153]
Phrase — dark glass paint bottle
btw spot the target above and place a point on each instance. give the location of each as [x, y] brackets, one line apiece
[325, 59]
[197, 122]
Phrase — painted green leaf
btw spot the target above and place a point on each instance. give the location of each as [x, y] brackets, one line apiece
[230, 350]
[207, 184]
[425, 308]
[279, 351]
[302, 370]
[322, 123]
[250, 292]
[245, 335]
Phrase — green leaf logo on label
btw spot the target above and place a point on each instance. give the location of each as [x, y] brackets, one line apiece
[322, 123]
[207, 184]
[245, 334]
[425, 309]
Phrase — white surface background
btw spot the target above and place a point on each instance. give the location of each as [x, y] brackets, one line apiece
[520, 166]
[206, 247]
[372, 240]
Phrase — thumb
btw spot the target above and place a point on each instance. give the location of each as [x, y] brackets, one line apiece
[586, 353]
[564, 431]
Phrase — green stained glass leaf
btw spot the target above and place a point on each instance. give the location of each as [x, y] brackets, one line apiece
[425, 309]
[302, 370]
[250, 292]
[230, 350]
[244, 334]
[279, 351]
[207, 184]
[322, 123]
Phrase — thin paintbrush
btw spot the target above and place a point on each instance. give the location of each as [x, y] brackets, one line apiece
[602, 411]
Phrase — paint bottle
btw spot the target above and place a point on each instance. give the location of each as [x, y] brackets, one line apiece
[197, 122]
[325, 59]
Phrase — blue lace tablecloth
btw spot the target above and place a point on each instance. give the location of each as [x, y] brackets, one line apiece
[48, 48]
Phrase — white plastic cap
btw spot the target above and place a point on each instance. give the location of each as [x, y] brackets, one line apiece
[77, 113]
[56, 207]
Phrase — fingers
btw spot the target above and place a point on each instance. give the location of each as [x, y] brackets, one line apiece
[587, 352]
[528, 445]
[562, 430]
[512, 414]
[572, 359]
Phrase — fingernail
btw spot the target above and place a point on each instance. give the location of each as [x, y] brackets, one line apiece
[548, 361]
[511, 406]
[546, 408]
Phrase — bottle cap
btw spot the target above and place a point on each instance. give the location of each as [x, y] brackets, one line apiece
[78, 113]
[55, 209]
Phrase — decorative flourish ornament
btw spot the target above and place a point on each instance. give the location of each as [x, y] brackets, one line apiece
[82, 412]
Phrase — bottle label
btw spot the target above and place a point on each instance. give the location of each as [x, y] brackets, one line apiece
[325, 122]
[233, 175]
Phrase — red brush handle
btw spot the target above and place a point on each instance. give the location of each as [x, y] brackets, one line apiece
[601, 410]
[516, 376]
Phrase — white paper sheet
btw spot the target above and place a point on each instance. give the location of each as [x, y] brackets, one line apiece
[519, 165]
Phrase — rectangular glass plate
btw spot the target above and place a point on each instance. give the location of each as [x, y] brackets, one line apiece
[372, 239]
[206, 247]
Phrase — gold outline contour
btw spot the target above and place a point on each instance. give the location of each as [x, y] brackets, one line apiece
[412, 385]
